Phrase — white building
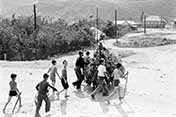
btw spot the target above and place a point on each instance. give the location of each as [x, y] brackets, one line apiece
[155, 22]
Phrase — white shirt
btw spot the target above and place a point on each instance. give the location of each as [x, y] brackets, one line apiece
[101, 70]
[117, 74]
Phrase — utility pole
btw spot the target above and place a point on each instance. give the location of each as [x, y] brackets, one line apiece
[144, 24]
[142, 16]
[35, 18]
[97, 24]
[35, 32]
[115, 23]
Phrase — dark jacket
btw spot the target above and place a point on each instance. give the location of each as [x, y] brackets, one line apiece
[80, 62]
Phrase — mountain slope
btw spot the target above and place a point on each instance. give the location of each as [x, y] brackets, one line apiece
[77, 9]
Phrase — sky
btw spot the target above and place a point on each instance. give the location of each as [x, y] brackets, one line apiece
[1, 6]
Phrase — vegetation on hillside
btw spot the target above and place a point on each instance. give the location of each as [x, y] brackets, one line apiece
[20, 41]
[147, 40]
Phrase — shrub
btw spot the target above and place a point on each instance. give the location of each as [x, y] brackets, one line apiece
[21, 42]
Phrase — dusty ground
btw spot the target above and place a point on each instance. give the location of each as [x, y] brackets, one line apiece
[150, 93]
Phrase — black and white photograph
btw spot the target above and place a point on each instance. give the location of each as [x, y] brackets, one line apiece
[87, 58]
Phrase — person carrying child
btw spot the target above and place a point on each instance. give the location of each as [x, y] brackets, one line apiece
[42, 89]
[13, 91]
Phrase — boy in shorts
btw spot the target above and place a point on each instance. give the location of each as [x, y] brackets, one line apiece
[116, 81]
[13, 91]
[64, 81]
[53, 71]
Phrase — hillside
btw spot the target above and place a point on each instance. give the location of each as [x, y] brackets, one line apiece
[77, 9]
[150, 90]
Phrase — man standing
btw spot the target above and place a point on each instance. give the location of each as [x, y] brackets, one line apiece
[42, 89]
[79, 66]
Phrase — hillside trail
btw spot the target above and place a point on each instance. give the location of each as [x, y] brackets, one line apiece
[152, 78]
[150, 92]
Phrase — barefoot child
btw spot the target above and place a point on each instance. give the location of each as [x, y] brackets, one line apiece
[101, 78]
[42, 89]
[64, 79]
[53, 71]
[116, 81]
[13, 91]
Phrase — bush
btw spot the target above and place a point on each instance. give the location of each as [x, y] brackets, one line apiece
[21, 42]
[121, 30]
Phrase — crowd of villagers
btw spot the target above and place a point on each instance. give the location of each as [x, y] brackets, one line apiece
[90, 70]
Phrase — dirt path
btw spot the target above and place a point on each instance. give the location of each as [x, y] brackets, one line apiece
[151, 87]
[152, 80]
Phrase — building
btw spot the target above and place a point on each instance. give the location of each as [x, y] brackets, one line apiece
[129, 23]
[155, 22]
[174, 23]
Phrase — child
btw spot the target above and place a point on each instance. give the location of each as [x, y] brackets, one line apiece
[64, 78]
[87, 61]
[42, 89]
[53, 71]
[101, 78]
[116, 81]
[87, 58]
[13, 91]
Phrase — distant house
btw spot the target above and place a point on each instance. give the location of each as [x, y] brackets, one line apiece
[130, 23]
[174, 23]
[155, 22]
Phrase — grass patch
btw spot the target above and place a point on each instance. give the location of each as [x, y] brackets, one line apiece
[148, 40]
[123, 53]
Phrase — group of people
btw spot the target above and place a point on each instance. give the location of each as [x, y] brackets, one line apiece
[42, 87]
[97, 72]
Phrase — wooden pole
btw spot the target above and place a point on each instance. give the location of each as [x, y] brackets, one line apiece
[144, 24]
[97, 24]
[142, 17]
[35, 18]
[115, 23]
